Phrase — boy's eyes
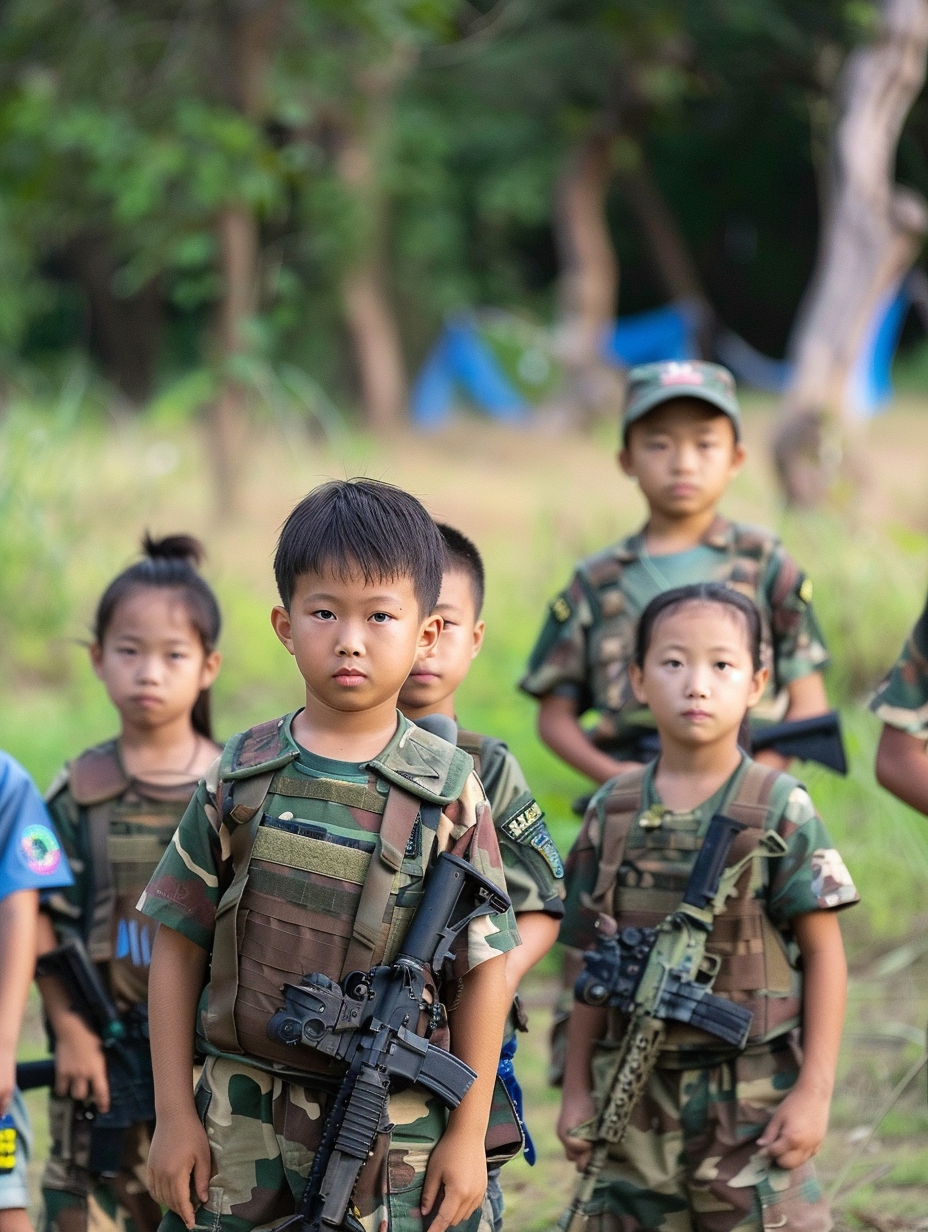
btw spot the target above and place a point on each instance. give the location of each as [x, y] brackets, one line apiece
[323, 613]
[381, 618]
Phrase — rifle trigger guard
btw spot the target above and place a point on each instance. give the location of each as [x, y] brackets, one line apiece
[710, 965]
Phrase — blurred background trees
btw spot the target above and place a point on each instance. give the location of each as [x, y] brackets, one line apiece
[279, 201]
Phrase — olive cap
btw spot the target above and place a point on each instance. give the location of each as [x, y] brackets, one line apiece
[651, 384]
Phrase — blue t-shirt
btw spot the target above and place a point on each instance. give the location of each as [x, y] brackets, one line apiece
[31, 857]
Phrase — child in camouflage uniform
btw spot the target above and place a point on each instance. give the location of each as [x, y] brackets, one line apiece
[532, 865]
[901, 702]
[681, 442]
[720, 1139]
[306, 850]
[117, 806]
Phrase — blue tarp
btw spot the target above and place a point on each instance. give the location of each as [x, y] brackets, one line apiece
[462, 362]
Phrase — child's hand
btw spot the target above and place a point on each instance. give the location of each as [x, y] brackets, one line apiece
[179, 1160]
[457, 1175]
[575, 1110]
[797, 1128]
[80, 1064]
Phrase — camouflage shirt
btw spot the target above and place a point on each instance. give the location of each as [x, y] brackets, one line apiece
[902, 698]
[809, 876]
[587, 640]
[531, 862]
[196, 870]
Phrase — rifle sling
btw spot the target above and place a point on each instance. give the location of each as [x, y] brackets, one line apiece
[399, 819]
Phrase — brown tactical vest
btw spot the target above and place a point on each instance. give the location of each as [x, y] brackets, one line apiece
[611, 644]
[298, 904]
[643, 873]
[128, 825]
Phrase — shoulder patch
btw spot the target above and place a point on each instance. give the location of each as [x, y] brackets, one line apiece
[96, 775]
[40, 850]
[561, 609]
[805, 590]
[528, 827]
[256, 750]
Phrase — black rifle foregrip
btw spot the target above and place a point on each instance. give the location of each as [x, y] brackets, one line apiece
[709, 865]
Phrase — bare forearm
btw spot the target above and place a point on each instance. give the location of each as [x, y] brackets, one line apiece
[176, 980]
[902, 767]
[560, 730]
[824, 999]
[476, 1039]
[18, 920]
[587, 1025]
[538, 932]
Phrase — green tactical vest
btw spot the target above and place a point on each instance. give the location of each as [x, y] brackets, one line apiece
[126, 825]
[643, 872]
[299, 903]
[611, 641]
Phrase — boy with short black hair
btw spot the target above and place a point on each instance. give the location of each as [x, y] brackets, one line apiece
[532, 865]
[681, 442]
[275, 871]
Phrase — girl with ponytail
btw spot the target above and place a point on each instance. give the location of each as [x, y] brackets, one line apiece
[116, 807]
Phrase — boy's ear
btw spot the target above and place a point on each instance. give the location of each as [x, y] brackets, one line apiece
[280, 622]
[636, 679]
[624, 459]
[480, 629]
[739, 456]
[430, 632]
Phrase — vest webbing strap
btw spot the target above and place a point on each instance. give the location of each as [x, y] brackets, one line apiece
[351, 795]
[399, 819]
[242, 806]
[100, 930]
[621, 810]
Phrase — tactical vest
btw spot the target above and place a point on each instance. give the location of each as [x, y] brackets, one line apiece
[643, 872]
[128, 824]
[611, 645]
[329, 902]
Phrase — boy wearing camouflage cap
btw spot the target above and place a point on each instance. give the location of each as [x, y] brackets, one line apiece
[681, 442]
[901, 701]
[307, 849]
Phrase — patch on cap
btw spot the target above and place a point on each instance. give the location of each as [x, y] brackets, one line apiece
[681, 374]
[41, 850]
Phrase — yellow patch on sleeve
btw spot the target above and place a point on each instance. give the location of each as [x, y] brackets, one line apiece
[560, 609]
[805, 590]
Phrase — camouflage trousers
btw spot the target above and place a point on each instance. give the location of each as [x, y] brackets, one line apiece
[689, 1161]
[263, 1133]
[76, 1199]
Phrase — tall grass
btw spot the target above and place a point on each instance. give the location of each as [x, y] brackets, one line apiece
[76, 492]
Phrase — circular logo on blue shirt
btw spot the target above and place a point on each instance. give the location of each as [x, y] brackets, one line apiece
[41, 850]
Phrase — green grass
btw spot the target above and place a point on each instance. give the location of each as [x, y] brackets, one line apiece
[77, 489]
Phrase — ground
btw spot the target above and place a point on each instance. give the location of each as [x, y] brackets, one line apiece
[85, 491]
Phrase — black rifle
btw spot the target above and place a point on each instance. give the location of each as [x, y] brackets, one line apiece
[30, 1075]
[817, 739]
[371, 1022]
[73, 966]
[654, 975]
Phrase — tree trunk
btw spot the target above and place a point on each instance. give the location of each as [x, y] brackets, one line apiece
[870, 237]
[247, 38]
[365, 300]
[125, 331]
[669, 250]
[589, 271]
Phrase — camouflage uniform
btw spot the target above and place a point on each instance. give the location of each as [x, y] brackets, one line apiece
[902, 698]
[316, 833]
[588, 638]
[534, 882]
[115, 830]
[689, 1161]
